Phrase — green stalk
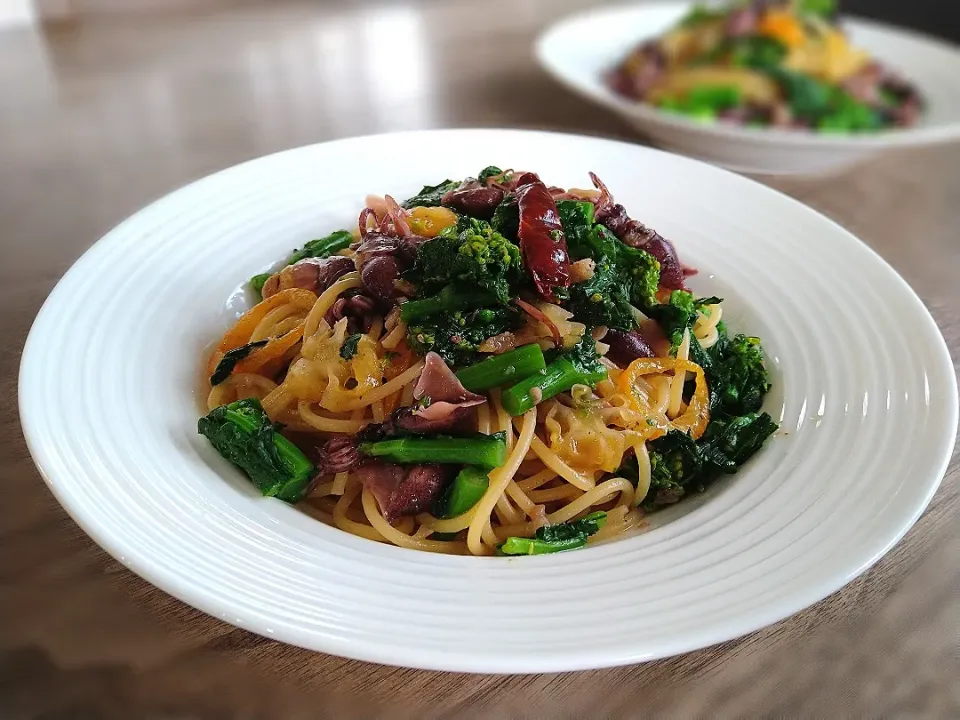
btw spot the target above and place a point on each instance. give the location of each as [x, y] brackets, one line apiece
[503, 369]
[320, 248]
[486, 451]
[556, 538]
[323, 247]
[465, 491]
[300, 468]
[533, 546]
[244, 435]
[447, 300]
[559, 376]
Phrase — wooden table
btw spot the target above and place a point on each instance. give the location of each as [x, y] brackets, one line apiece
[100, 118]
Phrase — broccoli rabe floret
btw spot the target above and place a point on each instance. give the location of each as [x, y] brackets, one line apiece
[674, 316]
[470, 254]
[457, 336]
[675, 468]
[736, 375]
[603, 299]
[622, 276]
[679, 465]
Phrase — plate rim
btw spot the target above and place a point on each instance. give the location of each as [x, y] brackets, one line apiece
[598, 93]
[438, 659]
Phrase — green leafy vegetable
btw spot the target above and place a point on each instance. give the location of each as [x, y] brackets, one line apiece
[577, 218]
[431, 195]
[244, 435]
[847, 114]
[457, 336]
[230, 359]
[320, 248]
[823, 8]
[736, 374]
[485, 451]
[825, 106]
[602, 299]
[578, 366]
[729, 443]
[465, 491]
[759, 52]
[675, 468]
[556, 538]
[506, 218]
[446, 301]
[675, 316]
[809, 98]
[491, 171]
[705, 101]
[323, 247]
[258, 281]
[679, 465]
[471, 255]
[349, 347]
[503, 369]
[623, 276]
[700, 15]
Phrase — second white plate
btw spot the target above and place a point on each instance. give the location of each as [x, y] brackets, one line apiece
[577, 51]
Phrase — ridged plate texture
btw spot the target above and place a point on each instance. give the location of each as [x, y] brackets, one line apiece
[863, 385]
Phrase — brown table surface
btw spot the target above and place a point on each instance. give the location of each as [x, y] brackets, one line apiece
[99, 118]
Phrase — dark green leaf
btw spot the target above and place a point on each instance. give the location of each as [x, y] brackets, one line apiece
[556, 538]
[506, 218]
[728, 444]
[323, 247]
[431, 195]
[230, 359]
[700, 15]
[457, 336]
[244, 435]
[736, 375]
[623, 276]
[823, 8]
[349, 347]
[258, 281]
[491, 171]
[675, 316]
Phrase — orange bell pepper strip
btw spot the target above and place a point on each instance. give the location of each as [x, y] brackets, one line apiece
[695, 418]
[241, 331]
[273, 350]
[782, 26]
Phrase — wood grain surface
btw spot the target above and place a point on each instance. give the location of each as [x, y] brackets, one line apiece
[99, 118]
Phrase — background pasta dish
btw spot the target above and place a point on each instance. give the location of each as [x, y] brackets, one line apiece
[783, 63]
[494, 366]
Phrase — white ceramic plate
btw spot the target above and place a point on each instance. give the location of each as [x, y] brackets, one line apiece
[864, 386]
[577, 51]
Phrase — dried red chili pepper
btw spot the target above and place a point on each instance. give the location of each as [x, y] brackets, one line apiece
[542, 242]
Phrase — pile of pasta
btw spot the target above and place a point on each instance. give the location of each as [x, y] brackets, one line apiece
[562, 456]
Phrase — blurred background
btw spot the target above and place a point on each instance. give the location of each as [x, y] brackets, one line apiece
[96, 91]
